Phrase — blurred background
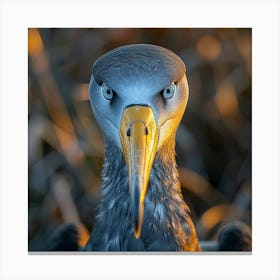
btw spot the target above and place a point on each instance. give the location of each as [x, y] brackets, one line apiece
[65, 146]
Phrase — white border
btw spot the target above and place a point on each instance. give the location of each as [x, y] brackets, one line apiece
[17, 16]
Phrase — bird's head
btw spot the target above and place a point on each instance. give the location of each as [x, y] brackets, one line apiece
[138, 94]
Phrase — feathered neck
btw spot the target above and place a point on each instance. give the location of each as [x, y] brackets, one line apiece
[167, 225]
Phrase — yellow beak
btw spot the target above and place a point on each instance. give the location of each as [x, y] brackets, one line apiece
[139, 138]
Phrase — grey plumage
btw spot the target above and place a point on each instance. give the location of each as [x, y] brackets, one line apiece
[134, 65]
[167, 225]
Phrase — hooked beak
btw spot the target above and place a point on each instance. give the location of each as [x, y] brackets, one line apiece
[139, 138]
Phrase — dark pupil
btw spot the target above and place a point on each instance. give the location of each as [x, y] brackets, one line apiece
[168, 90]
[108, 91]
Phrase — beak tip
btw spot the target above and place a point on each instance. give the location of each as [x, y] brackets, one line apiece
[137, 232]
[137, 226]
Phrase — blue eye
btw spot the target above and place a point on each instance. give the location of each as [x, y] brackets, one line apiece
[169, 91]
[107, 92]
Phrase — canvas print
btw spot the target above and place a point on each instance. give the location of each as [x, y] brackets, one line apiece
[139, 139]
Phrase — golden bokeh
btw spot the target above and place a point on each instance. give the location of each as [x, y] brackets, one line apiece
[209, 47]
[35, 44]
[226, 101]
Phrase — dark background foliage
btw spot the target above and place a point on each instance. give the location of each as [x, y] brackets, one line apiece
[65, 152]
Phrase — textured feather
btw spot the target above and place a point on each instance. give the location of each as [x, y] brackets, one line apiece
[167, 225]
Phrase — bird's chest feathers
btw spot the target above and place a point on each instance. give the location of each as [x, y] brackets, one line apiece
[117, 202]
[164, 211]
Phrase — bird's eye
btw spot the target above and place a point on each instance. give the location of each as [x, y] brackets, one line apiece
[107, 92]
[169, 91]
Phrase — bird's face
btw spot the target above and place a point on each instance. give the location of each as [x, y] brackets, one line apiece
[138, 94]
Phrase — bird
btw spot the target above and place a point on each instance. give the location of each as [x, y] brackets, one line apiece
[138, 94]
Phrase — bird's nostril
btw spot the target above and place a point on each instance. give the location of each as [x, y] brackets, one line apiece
[128, 132]
[146, 130]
